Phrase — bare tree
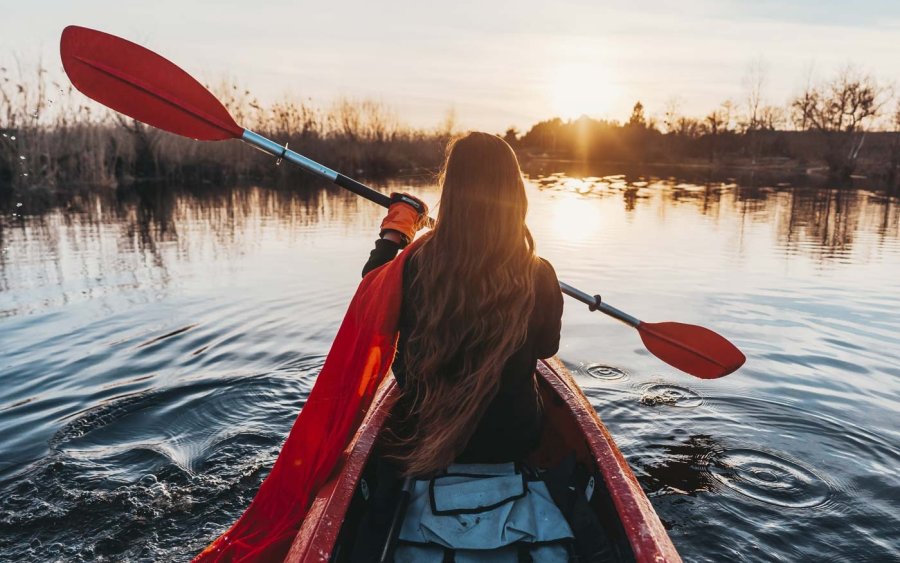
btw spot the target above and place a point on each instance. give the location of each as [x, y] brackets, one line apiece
[847, 103]
[672, 115]
[841, 109]
[715, 122]
[755, 82]
[771, 118]
[689, 127]
[760, 116]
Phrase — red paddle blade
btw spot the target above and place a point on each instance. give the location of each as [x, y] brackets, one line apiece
[141, 84]
[692, 349]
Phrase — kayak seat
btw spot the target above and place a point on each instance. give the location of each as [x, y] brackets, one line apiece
[482, 512]
[497, 512]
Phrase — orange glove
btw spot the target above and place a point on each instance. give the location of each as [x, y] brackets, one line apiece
[406, 215]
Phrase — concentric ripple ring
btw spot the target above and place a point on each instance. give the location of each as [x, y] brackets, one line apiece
[769, 478]
[600, 371]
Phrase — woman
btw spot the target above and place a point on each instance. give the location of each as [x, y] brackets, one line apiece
[479, 309]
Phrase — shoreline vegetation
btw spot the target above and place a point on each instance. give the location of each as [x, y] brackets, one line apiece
[844, 131]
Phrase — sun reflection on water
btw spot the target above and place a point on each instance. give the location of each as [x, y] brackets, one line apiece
[576, 219]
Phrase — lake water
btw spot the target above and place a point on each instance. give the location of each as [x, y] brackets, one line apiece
[157, 345]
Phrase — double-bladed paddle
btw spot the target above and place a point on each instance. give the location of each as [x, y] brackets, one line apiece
[149, 88]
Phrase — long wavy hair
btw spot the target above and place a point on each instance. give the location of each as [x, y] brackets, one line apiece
[475, 280]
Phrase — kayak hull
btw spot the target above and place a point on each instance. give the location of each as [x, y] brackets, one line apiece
[571, 424]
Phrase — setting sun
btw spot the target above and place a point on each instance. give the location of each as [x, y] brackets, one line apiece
[578, 89]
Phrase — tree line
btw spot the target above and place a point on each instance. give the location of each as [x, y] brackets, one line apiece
[836, 128]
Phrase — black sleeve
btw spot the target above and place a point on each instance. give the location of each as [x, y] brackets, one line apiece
[548, 303]
[384, 252]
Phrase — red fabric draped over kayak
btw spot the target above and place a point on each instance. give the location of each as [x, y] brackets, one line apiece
[360, 357]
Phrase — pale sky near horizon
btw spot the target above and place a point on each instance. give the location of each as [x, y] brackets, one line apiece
[494, 63]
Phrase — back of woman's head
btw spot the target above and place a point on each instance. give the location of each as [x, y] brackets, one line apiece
[483, 203]
[475, 281]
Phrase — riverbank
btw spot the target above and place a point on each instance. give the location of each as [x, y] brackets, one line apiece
[88, 157]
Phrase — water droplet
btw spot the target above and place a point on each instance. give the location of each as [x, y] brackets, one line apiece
[20, 203]
[5, 135]
[21, 157]
[13, 138]
[25, 174]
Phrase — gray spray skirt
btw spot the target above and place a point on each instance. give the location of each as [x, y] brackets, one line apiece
[482, 513]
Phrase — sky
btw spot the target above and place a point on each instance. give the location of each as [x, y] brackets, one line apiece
[492, 64]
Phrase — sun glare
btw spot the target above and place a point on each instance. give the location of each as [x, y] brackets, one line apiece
[575, 218]
[578, 89]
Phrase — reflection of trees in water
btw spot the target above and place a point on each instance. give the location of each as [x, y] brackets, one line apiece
[827, 219]
[889, 220]
[144, 229]
[141, 231]
[826, 222]
[820, 222]
[815, 221]
[146, 214]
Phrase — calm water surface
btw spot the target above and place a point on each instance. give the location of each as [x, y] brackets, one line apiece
[157, 345]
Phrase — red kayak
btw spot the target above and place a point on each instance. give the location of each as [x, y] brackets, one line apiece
[571, 424]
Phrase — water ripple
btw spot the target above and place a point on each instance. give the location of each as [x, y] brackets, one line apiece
[769, 478]
[670, 395]
[153, 456]
[600, 371]
[764, 468]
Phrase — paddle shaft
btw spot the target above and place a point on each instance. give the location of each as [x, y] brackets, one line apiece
[267, 145]
[594, 302]
[282, 152]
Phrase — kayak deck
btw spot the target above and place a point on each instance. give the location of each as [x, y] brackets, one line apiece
[571, 425]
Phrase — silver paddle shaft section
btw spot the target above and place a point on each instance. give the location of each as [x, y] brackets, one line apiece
[282, 152]
[276, 150]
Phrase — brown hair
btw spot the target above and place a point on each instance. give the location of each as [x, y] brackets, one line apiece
[475, 277]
